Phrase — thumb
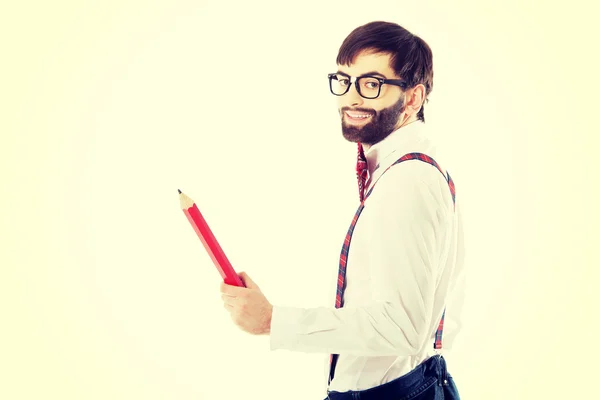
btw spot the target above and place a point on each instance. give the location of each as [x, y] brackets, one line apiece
[248, 282]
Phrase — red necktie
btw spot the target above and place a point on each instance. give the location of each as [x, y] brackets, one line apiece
[361, 172]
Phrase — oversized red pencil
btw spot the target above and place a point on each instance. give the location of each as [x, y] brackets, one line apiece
[209, 241]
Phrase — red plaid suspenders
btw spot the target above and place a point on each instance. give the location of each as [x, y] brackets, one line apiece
[339, 297]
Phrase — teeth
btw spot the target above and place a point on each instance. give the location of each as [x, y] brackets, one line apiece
[361, 116]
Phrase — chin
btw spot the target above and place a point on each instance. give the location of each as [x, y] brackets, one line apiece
[351, 136]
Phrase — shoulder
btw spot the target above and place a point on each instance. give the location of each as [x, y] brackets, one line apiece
[415, 181]
[414, 169]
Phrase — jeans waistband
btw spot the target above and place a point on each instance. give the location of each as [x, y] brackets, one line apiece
[433, 370]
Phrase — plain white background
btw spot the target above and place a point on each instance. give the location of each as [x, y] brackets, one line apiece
[108, 108]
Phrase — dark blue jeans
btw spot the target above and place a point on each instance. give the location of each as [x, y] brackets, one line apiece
[429, 381]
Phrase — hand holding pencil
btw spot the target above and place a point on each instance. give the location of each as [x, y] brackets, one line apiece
[247, 305]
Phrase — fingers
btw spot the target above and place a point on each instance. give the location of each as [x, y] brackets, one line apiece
[229, 300]
[240, 302]
[233, 290]
[245, 278]
[236, 299]
[248, 282]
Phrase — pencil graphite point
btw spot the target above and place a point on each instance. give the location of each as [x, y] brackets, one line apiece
[179, 191]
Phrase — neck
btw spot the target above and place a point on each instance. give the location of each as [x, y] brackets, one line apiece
[406, 119]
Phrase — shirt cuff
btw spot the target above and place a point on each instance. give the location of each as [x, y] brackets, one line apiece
[284, 327]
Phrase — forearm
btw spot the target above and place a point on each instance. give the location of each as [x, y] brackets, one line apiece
[377, 329]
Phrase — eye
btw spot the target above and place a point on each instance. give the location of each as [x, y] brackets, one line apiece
[372, 84]
[344, 81]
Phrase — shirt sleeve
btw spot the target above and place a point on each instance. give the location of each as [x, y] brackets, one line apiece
[408, 214]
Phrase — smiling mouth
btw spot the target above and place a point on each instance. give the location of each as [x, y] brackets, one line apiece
[355, 116]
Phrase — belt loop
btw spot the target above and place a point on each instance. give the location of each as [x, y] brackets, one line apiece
[444, 371]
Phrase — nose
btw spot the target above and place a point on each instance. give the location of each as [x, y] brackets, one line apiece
[353, 98]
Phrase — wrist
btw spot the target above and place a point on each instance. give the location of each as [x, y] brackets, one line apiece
[267, 330]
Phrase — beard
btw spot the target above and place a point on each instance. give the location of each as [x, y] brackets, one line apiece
[381, 124]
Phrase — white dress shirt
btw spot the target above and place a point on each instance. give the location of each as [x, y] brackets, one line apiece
[405, 264]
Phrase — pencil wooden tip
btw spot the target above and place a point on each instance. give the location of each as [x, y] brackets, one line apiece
[179, 191]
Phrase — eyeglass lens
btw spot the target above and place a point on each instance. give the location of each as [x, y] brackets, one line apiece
[367, 87]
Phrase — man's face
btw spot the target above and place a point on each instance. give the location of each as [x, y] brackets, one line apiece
[369, 121]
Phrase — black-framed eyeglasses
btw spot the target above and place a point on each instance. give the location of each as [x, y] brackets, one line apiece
[368, 86]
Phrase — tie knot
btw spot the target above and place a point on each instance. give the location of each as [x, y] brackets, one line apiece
[361, 171]
[361, 160]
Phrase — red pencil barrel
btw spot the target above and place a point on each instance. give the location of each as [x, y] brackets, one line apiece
[212, 246]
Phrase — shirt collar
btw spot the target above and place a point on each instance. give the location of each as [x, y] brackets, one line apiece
[397, 141]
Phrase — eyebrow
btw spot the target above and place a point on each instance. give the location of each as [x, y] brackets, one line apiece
[367, 73]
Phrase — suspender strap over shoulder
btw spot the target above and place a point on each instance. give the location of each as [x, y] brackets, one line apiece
[424, 158]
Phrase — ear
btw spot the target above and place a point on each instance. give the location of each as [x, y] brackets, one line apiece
[415, 97]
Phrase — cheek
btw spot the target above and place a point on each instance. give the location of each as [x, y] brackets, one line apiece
[341, 102]
[389, 98]
[373, 105]
[385, 102]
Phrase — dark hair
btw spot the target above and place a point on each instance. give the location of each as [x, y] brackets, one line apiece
[411, 57]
